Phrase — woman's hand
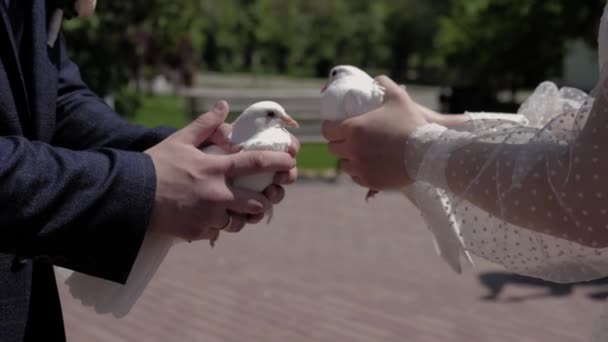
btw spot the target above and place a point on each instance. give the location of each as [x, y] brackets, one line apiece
[372, 146]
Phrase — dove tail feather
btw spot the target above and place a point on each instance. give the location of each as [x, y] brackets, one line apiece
[109, 297]
[446, 239]
[270, 214]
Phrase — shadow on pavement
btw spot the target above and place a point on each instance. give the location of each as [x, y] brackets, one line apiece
[496, 283]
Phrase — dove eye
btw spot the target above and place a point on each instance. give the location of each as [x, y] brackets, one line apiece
[334, 73]
[271, 114]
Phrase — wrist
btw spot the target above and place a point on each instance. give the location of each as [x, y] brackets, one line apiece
[418, 144]
[431, 148]
[430, 115]
[452, 121]
[446, 120]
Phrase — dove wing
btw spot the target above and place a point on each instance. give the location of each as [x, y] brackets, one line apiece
[272, 139]
[448, 244]
[360, 100]
[108, 297]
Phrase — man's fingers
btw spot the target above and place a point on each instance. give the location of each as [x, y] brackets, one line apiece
[238, 223]
[339, 149]
[274, 193]
[204, 126]
[221, 138]
[286, 178]
[213, 235]
[249, 202]
[294, 147]
[333, 130]
[251, 162]
[200, 233]
[255, 219]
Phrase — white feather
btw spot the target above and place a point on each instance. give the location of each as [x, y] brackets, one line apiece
[108, 297]
[271, 139]
[105, 296]
[448, 243]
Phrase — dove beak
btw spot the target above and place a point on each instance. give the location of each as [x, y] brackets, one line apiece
[324, 87]
[289, 122]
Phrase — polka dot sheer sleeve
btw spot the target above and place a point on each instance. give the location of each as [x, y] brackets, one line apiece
[530, 195]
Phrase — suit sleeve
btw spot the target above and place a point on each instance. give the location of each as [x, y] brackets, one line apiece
[84, 210]
[84, 121]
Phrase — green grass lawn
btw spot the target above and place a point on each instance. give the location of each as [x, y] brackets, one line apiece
[164, 110]
[314, 156]
[171, 111]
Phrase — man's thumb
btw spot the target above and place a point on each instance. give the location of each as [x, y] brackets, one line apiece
[203, 127]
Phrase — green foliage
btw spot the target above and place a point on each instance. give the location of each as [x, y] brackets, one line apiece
[113, 46]
[296, 37]
[127, 102]
[101, 51]
[494, 43]
[165, 110]
[512, 43]
[316, 156]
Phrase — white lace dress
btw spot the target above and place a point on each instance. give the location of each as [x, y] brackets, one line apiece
[531, 197]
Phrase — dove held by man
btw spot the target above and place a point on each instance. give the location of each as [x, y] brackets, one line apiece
[260, 127]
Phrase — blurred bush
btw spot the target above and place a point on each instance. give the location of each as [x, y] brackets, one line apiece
[510, 44]
[127, 101]
[487, 43]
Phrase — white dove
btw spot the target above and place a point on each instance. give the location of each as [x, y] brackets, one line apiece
[350, 92]
[260, 127]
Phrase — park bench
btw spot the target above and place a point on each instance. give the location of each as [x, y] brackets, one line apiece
[301, 104]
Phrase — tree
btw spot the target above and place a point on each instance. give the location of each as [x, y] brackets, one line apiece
[511, 43]
[113, 46]
[490, 43]
[411, 27]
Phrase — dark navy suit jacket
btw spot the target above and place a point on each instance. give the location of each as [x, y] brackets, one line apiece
[75, 189]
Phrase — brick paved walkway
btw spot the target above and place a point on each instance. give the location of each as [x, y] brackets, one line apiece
[332, 268]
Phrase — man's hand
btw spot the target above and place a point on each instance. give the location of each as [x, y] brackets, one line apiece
[275, 192]
[194, 196]
[372, 146]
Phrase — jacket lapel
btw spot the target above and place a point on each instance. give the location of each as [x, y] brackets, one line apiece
[12, 68]
[42, 74]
